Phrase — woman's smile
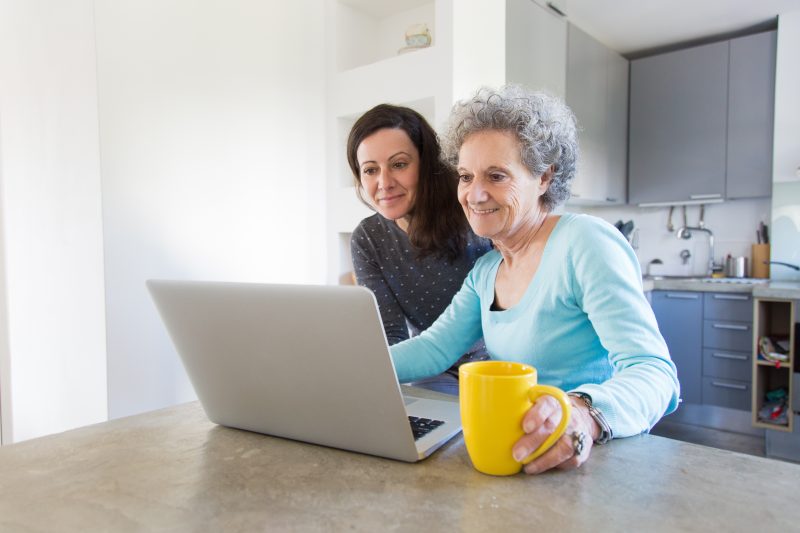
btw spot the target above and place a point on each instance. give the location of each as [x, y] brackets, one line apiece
[483, 212]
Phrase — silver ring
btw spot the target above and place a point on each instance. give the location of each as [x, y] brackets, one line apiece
[578, 441]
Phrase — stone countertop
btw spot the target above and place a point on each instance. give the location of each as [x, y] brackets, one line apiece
[768, 289]
[174, 470]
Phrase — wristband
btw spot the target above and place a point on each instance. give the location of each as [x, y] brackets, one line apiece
[605, 430]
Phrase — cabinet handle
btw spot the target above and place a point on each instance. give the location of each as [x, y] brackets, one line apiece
[731, 326]
[739, 297]
[729, 356]
[729, 385]
[681, 296]
[704, 196]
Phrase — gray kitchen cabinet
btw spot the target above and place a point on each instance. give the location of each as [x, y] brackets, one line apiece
[727, 350]
[709, 336]
[680, 319]
[616, 188]
[678, 116]
[751, 105]
[596, 91]
[536, 47]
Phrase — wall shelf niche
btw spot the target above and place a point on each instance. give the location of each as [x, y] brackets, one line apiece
[368, 31]
[774, 319]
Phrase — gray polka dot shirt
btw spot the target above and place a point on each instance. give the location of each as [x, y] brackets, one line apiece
[411, 292]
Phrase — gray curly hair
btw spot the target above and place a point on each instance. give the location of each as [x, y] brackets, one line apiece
[545, 126]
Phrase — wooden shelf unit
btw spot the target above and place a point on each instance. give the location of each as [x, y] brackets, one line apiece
[774, 318]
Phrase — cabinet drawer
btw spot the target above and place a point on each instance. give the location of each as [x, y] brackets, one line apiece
[727, 364]
[728, 335]
[730, 393]
[728, 306]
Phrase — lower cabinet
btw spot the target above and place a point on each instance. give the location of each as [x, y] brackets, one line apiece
[709, 336]
[727, 350]
[729, 393]
[680, 319]
[785, 445]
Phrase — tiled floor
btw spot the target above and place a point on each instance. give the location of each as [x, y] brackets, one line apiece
[726, 440]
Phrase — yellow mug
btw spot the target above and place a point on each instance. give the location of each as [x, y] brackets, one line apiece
[494, 397]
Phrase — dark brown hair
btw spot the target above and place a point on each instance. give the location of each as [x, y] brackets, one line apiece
[437, 225]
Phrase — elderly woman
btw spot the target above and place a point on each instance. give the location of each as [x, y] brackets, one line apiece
[561, 293]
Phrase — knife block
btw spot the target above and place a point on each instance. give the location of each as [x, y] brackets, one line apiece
[760, 260]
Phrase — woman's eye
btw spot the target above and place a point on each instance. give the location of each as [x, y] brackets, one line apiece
[400, 164]
[497, 177]
[464, 178]
[369, 171]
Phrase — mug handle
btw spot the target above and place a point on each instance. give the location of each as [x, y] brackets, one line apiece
[566, 412]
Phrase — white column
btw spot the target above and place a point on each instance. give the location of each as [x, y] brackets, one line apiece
[52, 335]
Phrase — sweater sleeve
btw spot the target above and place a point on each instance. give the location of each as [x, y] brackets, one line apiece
[436, 349]
[369, 273]
[606, 281]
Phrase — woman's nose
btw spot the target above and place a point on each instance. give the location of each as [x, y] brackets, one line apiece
[385, 180]
[476, 192]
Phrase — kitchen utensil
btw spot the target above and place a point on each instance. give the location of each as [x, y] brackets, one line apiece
[736, 267]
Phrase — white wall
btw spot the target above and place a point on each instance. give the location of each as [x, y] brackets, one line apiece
[734, 224]
[53, 359]
[211, 122]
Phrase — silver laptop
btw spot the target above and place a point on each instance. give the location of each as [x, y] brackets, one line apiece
[304, 362]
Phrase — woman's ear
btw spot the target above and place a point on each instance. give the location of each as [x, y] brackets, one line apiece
[545, 179]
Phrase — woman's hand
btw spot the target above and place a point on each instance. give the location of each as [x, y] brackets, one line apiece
[540, 421]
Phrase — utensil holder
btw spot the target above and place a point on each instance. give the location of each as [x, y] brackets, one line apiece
[760, 263]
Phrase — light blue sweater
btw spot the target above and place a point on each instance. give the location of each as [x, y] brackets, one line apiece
[583, 322]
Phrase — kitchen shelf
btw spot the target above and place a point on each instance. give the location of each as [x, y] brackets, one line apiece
[783, 366]
[774, 318]
[368, 31]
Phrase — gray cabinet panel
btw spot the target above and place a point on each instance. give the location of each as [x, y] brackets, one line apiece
[727, 364]
[678, 120]
[680, 319]
[728, 335]
[536, 47]
[727, 306]
[586, 96]
[727, 393]
[796, 393]
[617, 128]
[751, 93]
[785, 445]
[597, 92]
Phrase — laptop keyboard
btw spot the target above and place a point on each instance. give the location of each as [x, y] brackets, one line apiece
[423, 426]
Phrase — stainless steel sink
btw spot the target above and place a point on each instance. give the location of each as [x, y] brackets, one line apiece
[739, 281]
[705, 279]
[658, 277]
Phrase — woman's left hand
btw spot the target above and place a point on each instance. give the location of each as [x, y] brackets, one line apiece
[568, 452]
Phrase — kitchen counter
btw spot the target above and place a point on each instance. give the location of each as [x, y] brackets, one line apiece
[789, 290]
[174, 470]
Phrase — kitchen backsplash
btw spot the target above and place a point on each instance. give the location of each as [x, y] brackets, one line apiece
[734, 224]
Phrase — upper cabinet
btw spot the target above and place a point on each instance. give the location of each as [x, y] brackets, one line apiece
[597, 92]
[678, 115]
[536, 47]
[751, 102]
[701, 123]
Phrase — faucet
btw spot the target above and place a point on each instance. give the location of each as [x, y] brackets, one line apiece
[685, 232]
